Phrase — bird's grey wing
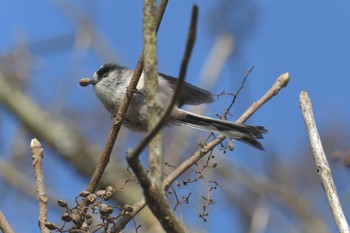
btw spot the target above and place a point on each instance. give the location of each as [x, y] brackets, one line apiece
[190, 94]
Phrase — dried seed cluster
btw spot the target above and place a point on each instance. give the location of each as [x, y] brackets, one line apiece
[98, 214]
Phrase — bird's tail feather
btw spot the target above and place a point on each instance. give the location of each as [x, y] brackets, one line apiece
[244, 133]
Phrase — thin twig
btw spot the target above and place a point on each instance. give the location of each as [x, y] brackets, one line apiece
[222, 49]
[37, 156]
[224, 116]
[5, 227]
[323, 169]
[281, 82]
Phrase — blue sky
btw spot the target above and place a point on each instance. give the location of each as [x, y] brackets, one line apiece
[308, 39]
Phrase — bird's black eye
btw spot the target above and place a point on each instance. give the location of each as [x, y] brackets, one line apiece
[105, 75]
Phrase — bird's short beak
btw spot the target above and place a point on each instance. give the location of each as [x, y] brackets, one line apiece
[92, 81]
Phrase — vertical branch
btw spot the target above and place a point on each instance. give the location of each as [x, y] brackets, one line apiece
[151, 85]
[37, 156]
[323, 169]
[105, 156]
[114, 131]
[154, 193]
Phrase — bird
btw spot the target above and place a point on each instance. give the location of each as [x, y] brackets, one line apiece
[110, 83]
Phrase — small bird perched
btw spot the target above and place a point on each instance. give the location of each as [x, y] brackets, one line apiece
[110, 83]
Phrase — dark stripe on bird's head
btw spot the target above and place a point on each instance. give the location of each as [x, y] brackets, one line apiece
[106, 68]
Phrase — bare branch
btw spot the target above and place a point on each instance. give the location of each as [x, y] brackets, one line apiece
[190, 43]
[105, 156]
[37, 157]
[323, 169]
[224, 116]
[117, 121]
[154, 196]
[5, 227]
[221, 50]
[281, 82]
[154, 109]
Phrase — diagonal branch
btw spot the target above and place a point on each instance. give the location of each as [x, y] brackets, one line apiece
[105, 156]
[117, 121]
[323, 169]
[5, 227]
[281, 82]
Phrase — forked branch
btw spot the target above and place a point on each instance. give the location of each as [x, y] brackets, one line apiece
[280, 83]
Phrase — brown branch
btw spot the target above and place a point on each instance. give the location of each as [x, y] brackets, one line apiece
[105, 156]
[281, 82]
[155, 197]
[37, 157]
[5, 227]
[117, 121]
[104, 159]
[222, 49]
[323, 169]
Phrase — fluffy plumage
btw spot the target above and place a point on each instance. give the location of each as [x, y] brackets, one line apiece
[110, 84]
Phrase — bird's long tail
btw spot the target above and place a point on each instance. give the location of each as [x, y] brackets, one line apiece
[244, 133]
